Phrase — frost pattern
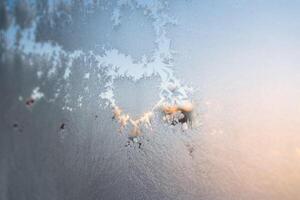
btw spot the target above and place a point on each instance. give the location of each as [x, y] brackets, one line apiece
[115, 63]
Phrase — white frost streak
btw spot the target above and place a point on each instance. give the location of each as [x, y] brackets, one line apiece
[39, 74]
[124, 65]
[86, 76]
[67, 73]
[36, 94]
[108, 95]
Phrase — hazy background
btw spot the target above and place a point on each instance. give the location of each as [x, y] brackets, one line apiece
[241, 58]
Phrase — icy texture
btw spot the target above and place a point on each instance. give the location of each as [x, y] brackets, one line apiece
[67, 67]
